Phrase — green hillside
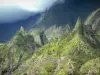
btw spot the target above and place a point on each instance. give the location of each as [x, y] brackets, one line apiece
[74, 52]
[66, 56]
[17, 50]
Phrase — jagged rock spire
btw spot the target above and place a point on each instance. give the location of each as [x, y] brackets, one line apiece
[78, 23]
[43, 38]
[22, 29]
[79, 26]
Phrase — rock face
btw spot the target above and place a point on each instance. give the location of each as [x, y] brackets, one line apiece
[39, 36]
[94, 19]
[92, 24]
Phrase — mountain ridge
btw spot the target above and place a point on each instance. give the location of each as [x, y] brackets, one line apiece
[71, 54]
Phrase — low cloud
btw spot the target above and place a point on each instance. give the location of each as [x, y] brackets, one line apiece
[31, 5]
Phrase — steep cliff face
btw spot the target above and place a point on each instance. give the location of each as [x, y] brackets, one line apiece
[94, 19]
[93, 23]
[39, 36]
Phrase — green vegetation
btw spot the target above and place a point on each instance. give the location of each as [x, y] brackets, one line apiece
[91, 67]
[16, 51]
[76, 52]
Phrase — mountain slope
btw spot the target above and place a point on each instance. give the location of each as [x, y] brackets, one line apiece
[94, 19]
[66, 13]
[71, 54]
[17, 50]
[91, 67]
[49, 34]
[92, 24]
[63, 57]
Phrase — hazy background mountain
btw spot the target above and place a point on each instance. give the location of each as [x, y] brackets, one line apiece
[60, 14]
[67, 13]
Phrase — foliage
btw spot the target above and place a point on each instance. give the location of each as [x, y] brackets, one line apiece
[74, 53]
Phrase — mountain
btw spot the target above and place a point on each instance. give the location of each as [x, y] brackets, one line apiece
[93, 22]
[94, 19]
[51, 33]
[66, 13]
[17, 50]
[76, 52]
[39, 36]
[65, 56]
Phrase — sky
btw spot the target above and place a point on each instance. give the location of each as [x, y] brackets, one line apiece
[30, 5]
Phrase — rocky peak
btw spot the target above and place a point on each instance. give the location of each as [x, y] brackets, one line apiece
[93, 19]
[22, 29]
[79, 26]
